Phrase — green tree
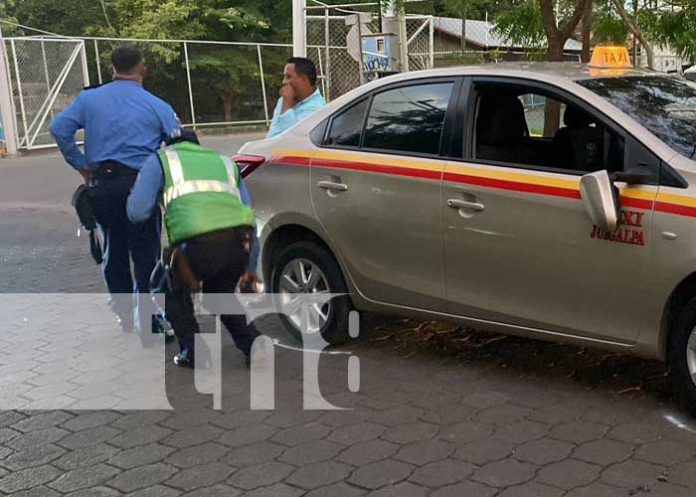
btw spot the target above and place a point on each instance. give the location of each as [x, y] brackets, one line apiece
[673, 24]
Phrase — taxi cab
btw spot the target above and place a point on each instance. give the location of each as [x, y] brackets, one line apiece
[550, 200]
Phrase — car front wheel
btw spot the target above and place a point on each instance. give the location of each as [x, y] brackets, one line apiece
[301, 273]
[682, 356]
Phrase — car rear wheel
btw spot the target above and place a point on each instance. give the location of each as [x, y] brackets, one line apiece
[682, 356]
[307, 268]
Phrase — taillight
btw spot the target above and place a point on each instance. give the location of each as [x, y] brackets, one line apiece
[248, 163]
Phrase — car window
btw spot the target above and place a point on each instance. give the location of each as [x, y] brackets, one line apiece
[346, 126]
[525, 127]
[409, 118]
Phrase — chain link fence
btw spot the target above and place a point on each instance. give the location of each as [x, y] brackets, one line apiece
[45, 77]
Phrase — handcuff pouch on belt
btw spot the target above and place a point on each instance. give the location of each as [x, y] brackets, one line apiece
[83, 207]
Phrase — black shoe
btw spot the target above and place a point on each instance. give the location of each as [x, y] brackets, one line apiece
[183, 360]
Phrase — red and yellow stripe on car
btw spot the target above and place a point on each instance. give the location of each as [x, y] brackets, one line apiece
[524, 182]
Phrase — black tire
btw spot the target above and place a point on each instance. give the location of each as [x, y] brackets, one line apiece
[682, 383]
[335, 330]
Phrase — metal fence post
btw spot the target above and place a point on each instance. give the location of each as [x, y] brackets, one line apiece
[263, 83]
[190, 91]
[45, 64]
[96, 57]
[327, 58]
[83, 60]
[6, 101]
[431, 36]
[19, 91]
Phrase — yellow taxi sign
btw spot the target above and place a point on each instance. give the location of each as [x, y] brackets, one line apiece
[608, 57]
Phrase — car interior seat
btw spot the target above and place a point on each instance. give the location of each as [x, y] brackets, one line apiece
[501, 129]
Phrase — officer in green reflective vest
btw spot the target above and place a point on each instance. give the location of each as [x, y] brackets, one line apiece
[209, 223]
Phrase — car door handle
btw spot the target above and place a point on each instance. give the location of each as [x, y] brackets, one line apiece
[456, 203]
[332, 185]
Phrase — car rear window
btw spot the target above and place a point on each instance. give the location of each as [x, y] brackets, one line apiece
[664, 105]
[408, 118]
[346, 126]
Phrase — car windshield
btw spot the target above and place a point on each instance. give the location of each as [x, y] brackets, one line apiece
[664, 105]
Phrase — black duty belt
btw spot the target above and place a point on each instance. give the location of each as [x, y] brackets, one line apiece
[112, 169]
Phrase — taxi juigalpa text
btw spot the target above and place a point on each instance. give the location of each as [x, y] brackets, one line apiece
[630, 229]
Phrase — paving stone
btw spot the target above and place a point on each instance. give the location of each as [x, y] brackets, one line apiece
[236, 419]
[90, 436]
[90, 420]
[398, 416]
[140, 436]
[603, 452]
[631, 474]
[86, 456]
[95, 492]
[194, 435]
[521, 432]
[219, 490]
[28, 478]
[311, 453]
[598, 490]
[468, 431]
[411, 432]
[403, 489]
[247, 435]
[188, 419]
[277, 490]
[665, 452]
[140, 419]
[486, 399]
[252, 454]
[505, 473]
[140, 456]
[578, 431]
[337, 419]
[37, 492]
[421, 453]
[368, 452]
[38, 437]
[380, 474]
[297, 435]
[543, 451]
[666, 490]
[336, 490]
[156, 491]
[319, 474]
[81, 478]
[7, 434]
[684, 474]
[286, 419]
[568, 474]
[555, 414]
[465, 489]
[8, 418]
[484, 451]
[441, 473]
[142, 477]
[449, 414]
[200, 476]
[36, 455]
[635, 433]
[41, 421]
[434, 399]
[531, 489]
[353, 434]
[502, 415]
[260, 475]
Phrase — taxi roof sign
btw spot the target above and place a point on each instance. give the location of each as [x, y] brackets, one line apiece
[610, 57]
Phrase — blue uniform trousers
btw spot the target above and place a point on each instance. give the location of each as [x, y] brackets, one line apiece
[125, 242]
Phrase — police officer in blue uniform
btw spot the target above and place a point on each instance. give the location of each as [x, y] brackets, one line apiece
[123, 126]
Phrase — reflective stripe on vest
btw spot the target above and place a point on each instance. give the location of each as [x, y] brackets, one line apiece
[182, 187]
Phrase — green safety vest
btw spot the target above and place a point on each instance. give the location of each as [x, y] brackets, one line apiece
[201, 192]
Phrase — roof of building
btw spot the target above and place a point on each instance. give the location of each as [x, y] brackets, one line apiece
[483, 34]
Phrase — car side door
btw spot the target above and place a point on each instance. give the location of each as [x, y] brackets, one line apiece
[520, 248]
[376, 187]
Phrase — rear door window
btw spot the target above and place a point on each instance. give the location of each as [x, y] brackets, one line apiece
[347, 125]
[409, 118]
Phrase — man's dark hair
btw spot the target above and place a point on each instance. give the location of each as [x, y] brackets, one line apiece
[305, 67]
[126, 58]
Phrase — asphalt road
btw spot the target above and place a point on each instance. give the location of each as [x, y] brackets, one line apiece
[440, 411]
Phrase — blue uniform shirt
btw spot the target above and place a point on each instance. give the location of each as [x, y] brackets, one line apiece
[148, 188]
[123, 122]
[290, 117]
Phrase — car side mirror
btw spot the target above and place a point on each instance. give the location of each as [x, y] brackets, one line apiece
[601, 199]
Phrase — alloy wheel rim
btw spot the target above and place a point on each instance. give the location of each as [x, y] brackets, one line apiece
[299, 279]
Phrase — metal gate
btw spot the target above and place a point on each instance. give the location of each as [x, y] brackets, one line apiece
[46, 74]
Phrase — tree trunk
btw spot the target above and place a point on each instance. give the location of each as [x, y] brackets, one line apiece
[227, 106]
[635, 31]
[586, 33]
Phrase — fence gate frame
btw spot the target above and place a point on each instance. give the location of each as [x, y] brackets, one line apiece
[28, 132]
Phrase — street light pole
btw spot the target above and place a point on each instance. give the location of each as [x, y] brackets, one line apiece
[6, 107]
[299, 28]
